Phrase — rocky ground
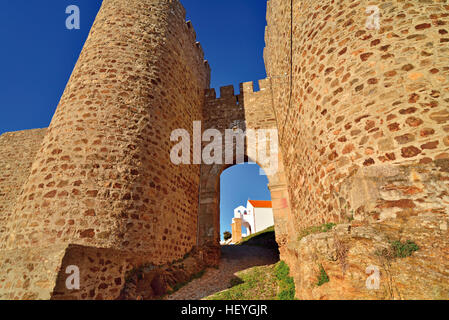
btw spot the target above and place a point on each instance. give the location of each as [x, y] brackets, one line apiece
[233, 260]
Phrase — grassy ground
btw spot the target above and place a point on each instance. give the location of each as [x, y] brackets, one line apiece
[260, 283]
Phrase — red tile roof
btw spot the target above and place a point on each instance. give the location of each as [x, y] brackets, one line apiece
[260, 203]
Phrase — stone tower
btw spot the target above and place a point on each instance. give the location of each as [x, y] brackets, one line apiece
[103, 180]
[362, 112]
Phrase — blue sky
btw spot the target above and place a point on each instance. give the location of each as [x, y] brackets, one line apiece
[38, 54]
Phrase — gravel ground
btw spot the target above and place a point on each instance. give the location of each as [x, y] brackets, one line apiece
[233, 259]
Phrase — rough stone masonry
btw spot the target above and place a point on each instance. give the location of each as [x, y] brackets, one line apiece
[363, 122]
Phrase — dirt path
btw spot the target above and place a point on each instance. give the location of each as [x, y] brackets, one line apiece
[234, 259]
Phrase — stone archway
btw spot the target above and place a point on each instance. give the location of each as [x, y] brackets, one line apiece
[208, 233]
[209, 204]
[246, 225]
[248, 110]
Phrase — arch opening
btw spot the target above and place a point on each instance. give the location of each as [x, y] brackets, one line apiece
[209, 231]
[244, 202]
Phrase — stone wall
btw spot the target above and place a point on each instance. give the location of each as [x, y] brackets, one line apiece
[363, 130]
[352, 255]
[103, 178]
[362, 114]
[222, 113]
[236, 228]
[30, 273]
[359, 98]
[18, 150]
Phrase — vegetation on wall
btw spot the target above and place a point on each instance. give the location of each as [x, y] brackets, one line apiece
[398, 250]
[404, 250]
[285, 282]
[326, 227]
[323, 277]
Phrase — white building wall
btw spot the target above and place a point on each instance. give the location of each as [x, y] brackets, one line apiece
[250, 217]
[263, 219]
[239, 211]
[247, 219]
[255, 219]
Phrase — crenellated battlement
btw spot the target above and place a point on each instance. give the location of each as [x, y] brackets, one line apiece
[227, 92]
[231, 106]
[190, 30]
[179, 11]
[248, 87]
